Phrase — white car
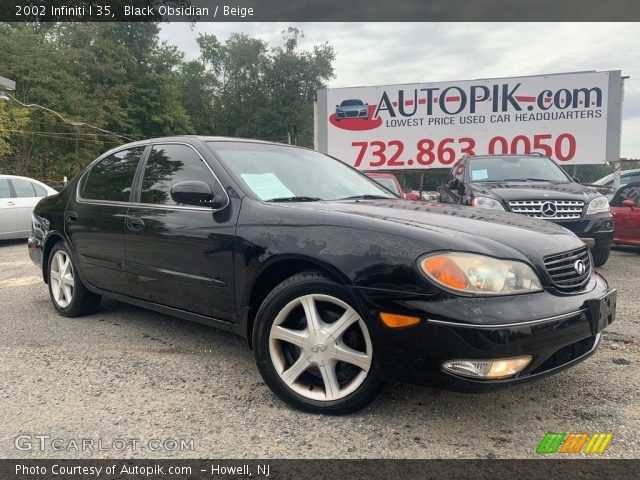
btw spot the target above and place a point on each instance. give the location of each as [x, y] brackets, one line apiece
[626, 176]
[18, 196]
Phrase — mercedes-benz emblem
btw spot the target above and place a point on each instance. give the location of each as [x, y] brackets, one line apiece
[579, 267]
[549, 209]
[318, 347]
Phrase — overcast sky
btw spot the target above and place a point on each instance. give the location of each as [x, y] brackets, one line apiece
[387, 53]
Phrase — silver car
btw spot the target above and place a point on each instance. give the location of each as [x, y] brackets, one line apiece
[18, 196]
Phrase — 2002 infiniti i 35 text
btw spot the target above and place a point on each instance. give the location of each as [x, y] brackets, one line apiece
[336, 283]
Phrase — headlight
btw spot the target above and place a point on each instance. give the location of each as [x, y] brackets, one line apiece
[477, 275]
[598, 205]
[486, 202]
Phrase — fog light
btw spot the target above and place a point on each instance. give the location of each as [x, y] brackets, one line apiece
[488, 369]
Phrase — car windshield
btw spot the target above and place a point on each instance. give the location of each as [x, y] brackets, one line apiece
[387, 183]
[351, 103]
[515, 169]
[282, 173]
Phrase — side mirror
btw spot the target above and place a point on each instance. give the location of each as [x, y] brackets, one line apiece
[411, 196]
[194, 193]
[337, 106]
[454, 184]
[628, 203]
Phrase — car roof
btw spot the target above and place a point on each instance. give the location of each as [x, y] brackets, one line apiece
[623, 173]
[379, 175]
[29, 179]
[202, 138]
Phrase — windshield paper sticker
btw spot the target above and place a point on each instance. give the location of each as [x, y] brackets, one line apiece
[479, 174]
[266, 185]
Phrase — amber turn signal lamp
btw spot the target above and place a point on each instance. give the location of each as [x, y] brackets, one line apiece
[445, 271]
[398, 321]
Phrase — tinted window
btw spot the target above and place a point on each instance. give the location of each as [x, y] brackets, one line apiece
[5, 191]
[23, 188]
[351, 103]
[168, 165]
[111, 178]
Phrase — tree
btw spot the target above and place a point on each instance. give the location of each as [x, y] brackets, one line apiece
[292, 79]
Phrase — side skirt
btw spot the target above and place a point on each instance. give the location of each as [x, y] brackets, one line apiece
[175, 312]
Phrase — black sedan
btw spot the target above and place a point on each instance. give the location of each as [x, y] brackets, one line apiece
[337, 284]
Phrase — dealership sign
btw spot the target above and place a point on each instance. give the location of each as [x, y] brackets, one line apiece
[574, 118]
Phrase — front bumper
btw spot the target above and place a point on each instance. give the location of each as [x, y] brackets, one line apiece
[595, 230]
[558, 331]
[34, 246]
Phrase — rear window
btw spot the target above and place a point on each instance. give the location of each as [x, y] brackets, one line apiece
[112, 177]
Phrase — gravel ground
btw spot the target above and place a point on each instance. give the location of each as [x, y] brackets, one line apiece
[126, 373]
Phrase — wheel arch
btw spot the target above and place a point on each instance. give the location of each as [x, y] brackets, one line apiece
[274, 273]
[52, 239]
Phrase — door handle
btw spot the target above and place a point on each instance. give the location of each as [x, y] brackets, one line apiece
[135, 224]
[71, 216]
[11, 204]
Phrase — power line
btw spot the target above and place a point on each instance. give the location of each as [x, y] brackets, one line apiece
[70, 122]
[61, 137]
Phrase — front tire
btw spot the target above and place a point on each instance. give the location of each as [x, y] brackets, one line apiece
[68, 294]
[312, 347]
[600, 255]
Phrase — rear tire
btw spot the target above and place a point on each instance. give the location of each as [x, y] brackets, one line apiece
[600, 255]
[68, 294]
[322, 365]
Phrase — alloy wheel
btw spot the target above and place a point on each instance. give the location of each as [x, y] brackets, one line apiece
[61, 278]
[320, 347]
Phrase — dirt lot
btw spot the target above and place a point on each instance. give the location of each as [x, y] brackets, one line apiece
[126, 373]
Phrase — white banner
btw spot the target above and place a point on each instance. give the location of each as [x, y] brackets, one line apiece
[414, 126]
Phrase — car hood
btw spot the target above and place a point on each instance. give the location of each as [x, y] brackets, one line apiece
[454, 227]
[351, 108]
[534, 191]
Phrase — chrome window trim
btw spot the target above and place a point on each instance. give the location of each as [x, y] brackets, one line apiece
[159, 206]
[508, 325]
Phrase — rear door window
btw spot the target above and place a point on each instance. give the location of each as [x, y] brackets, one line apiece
[5, 190]
[23, 188]
[111, 178]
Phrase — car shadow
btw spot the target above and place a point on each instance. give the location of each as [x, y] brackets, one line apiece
[398, 404]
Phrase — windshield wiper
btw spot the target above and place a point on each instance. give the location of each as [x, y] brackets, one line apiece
[365, 197]
[527, 180]
[294, 199]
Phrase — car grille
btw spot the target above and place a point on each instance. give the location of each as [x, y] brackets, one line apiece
[562, 269]
[351, 114]
[559, 209]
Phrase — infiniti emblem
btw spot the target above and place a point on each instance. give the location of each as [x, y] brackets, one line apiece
[579, 267]
[549, 209]
[318, 347]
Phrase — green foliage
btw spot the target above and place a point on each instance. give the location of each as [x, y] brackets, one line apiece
[12, 120]
[121, 78]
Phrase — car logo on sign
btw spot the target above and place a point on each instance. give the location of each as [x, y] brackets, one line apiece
[580, 267]
[549, 209]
